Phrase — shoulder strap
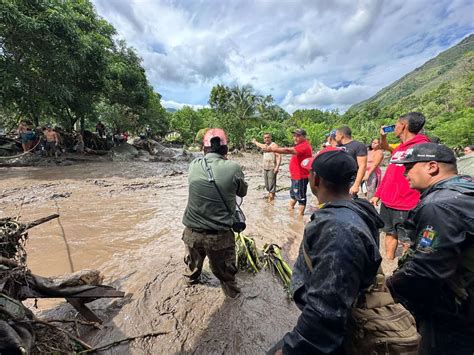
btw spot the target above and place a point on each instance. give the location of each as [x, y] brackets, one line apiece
[210, 178]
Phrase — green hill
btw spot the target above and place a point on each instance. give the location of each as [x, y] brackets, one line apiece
[450, 66]
[442, 89]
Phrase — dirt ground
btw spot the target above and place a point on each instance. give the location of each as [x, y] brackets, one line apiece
[124, 219]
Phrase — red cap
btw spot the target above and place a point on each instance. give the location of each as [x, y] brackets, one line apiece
[214, 133]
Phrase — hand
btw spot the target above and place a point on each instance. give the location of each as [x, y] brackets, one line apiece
[277, 169]
[254, 140]
[375, 201]
[279, 352]
[354, 190]
[382, 133]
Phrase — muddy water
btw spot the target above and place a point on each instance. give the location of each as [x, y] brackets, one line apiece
[125, 220]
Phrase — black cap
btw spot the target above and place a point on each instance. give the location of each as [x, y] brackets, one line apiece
[300, 132]
[427, 152]
[334, 165]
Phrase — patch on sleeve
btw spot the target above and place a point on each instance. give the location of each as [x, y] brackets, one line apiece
[427, 238]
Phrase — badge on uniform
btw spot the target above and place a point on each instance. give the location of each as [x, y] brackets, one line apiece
[428, 235]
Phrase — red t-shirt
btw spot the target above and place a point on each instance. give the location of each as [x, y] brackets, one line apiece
[394, 190]
[303, 151]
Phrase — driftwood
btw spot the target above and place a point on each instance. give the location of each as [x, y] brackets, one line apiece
[13, 236]
[20, 331]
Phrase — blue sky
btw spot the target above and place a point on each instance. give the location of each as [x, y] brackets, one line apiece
[321, 54]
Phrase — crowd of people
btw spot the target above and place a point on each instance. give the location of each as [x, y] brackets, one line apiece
[426, 207]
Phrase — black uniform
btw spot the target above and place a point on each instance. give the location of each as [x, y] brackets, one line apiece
[341, 240]
[436, 279]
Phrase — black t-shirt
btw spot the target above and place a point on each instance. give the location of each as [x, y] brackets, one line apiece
[355, 149]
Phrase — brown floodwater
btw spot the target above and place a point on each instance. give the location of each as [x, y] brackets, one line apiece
[124, 219]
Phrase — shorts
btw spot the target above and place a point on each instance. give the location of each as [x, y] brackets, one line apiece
[298, 190]
[27, 136]
[394, 222]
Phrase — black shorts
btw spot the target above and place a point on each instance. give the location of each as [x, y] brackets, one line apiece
[393, 222]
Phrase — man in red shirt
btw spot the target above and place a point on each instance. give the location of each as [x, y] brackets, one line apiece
[394, 192]
[299, 175]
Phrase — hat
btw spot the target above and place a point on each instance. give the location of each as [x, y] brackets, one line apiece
[333, 165]
[332, 134]
[214, 133]
[426, 152]
[299, 132]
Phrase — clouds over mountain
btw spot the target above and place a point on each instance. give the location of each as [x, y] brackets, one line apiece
[323, 54]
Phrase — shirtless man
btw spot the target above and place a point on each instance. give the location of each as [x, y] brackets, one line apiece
[271, 165]
[52, 141]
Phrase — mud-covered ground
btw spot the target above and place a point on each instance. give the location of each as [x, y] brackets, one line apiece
[124, 219]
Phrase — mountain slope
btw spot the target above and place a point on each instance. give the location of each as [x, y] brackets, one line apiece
[449, 66]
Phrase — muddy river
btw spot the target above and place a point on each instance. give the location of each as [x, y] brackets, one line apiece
[124, 219]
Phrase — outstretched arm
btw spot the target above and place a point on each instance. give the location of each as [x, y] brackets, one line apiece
[260, 145]
[281, 150]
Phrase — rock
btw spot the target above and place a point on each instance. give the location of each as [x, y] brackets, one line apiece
[124, 152]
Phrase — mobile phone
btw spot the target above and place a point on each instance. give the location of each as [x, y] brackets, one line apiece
[388, 129]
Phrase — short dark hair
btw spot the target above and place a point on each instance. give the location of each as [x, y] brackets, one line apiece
[345, 131]
[415, 121]
[216, 147]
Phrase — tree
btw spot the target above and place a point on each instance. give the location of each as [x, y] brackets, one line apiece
[54, 58]
[187, 122]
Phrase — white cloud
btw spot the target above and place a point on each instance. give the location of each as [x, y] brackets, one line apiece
[177, 105]
[320, 95]
[327, 53]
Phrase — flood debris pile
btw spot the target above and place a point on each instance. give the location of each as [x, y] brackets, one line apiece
[21, 331]
[250, 259]
[158, 152]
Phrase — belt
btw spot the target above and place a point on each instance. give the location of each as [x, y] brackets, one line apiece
[206, 231]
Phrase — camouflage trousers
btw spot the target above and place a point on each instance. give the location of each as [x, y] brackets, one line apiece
[220, 249]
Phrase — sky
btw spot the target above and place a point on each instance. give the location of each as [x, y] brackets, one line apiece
[324, 54]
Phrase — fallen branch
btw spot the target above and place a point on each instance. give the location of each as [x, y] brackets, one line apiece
[117, 342]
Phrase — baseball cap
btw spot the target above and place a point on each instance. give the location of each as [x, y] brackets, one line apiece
[214, 133]
[427, 152]
[300, 132]
[333, 165]
[332, 134]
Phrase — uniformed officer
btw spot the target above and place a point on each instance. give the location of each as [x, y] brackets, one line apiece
[435, 280]
[209, 214]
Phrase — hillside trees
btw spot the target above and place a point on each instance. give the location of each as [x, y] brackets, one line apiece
[59, 62]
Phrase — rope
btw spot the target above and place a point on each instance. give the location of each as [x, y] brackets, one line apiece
[19, 155]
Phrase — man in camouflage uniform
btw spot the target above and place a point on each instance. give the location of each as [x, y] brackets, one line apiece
[207, 220]
[436, 278]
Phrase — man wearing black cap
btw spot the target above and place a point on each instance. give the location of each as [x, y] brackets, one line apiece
[436, 278]
[339, 256]
[299, 176]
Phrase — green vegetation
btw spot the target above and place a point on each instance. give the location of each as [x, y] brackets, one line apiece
[60, 64]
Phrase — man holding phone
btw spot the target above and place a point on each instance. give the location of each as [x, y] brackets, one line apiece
[394, 192]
